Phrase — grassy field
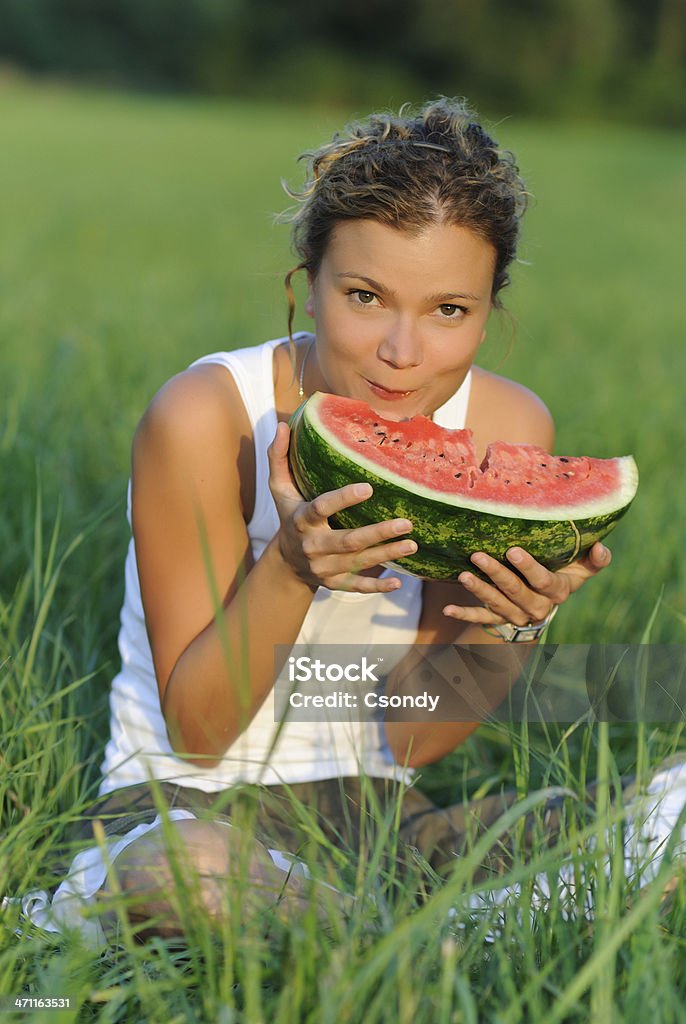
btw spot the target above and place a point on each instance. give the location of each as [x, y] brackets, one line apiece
[138, 234]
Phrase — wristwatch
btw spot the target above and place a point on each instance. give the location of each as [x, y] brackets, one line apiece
[521, 634]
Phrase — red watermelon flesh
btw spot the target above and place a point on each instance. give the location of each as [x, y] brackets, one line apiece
[445, 461]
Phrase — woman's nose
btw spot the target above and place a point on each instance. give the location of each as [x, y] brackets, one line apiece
[401, 346]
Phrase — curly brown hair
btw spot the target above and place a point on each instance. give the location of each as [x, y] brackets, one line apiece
[410, 170]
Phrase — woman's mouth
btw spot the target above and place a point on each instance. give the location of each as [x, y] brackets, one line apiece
[387, 394]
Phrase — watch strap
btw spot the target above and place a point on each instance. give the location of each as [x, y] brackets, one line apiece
[521, 634]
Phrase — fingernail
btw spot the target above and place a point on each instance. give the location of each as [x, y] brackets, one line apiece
[466, 579]
[480, 560]
[515, 555]
[363, 490]
[403, 526]
[409, 548]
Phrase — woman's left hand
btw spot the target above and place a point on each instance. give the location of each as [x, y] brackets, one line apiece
[509, 598]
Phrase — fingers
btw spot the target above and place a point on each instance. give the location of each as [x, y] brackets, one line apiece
[354, 583]
[474, 614]
[278, 449]
[511, 598]
[321, 508]
[317, 512]
[328, 565]
[599, 557]
[328, 504]
[320, 555]
[280, 479]
[282, 485]
[335, 553]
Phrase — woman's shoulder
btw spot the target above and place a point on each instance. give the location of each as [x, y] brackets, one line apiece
[504, 410]
[200, 397]
[207, 393]
[195, 437]
[196, 415]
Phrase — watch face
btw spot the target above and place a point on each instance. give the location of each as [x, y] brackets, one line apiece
[519, 634]
[522, 633]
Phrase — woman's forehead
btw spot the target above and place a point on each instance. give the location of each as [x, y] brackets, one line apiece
[436, 253]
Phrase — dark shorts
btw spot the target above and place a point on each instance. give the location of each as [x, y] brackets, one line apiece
[342, 814]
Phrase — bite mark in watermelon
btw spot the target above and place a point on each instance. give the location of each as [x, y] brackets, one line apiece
[555, 507]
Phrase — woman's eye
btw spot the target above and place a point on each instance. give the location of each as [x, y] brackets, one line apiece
[452, 311]
[366, 298]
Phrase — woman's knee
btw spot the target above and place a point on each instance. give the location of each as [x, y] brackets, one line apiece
[189, 861]
[201, 863]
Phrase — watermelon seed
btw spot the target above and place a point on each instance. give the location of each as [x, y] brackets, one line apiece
[543, 463]
[563, 459]
[457, 475]
[362, 440]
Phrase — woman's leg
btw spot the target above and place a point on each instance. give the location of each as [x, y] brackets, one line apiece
[441, 834]
[652, 833]
[213, 862]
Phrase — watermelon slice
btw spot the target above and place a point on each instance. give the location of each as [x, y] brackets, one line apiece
[556, 507]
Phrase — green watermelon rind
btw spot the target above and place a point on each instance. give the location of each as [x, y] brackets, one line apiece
[446, 533]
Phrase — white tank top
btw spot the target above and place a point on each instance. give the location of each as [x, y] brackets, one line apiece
[304, 751]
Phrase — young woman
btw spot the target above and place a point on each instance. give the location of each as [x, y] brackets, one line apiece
[405, 230]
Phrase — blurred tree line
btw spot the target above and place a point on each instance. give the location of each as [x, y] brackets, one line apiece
[617, 58]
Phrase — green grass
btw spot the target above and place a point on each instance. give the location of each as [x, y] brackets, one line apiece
[138, 234]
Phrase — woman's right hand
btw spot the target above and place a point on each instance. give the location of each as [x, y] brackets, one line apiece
[319, 555]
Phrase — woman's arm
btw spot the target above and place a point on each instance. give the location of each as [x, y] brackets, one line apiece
[486, 682]
[213, 615]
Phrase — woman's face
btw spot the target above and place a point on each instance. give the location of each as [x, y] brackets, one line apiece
[399, 317]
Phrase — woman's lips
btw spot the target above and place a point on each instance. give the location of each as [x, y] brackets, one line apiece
[387, 394]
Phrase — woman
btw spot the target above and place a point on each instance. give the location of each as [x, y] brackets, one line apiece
[405, 230]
